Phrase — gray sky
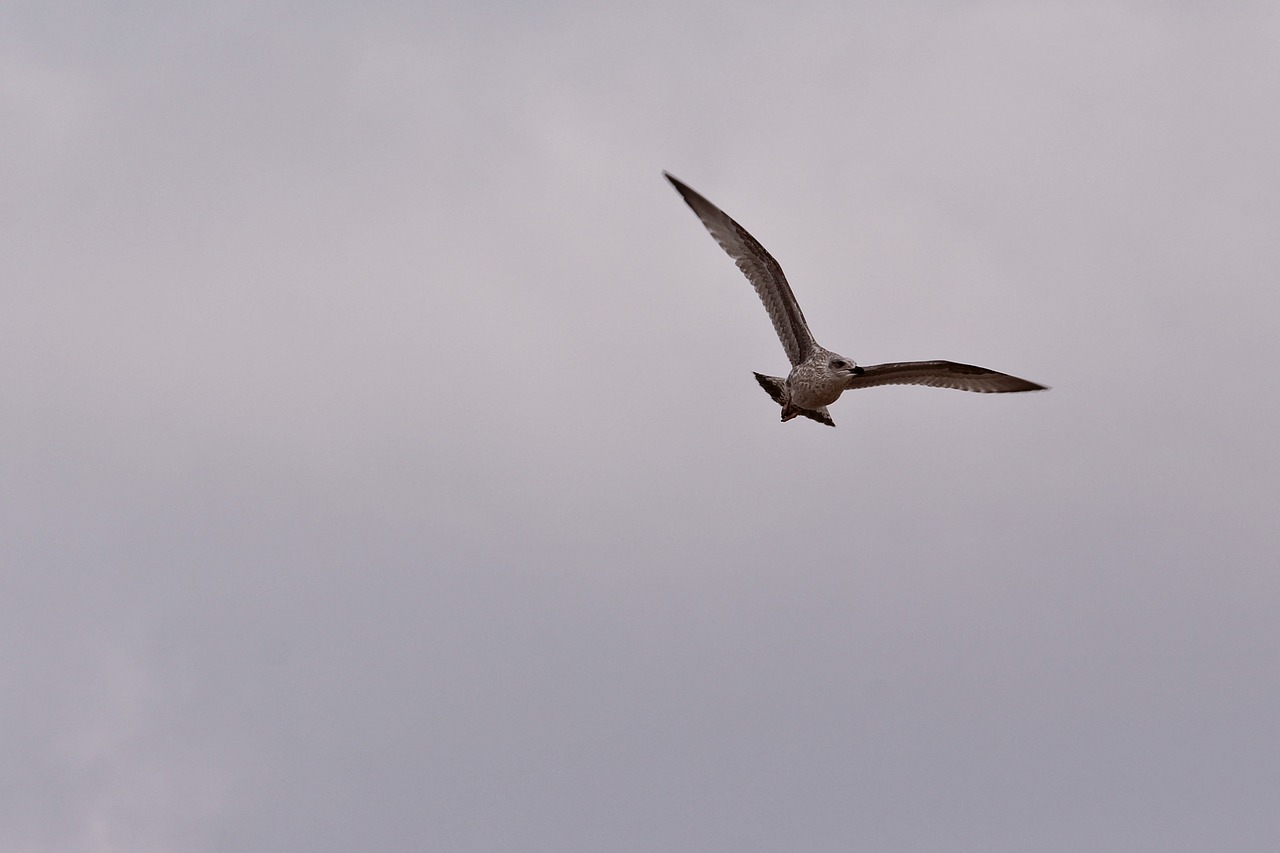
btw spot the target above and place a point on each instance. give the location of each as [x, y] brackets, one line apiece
[383, 470]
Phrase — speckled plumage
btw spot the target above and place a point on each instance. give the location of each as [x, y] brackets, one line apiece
[818, 376]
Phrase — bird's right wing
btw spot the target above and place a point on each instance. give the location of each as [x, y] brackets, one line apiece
[760, 269]
[941, 374]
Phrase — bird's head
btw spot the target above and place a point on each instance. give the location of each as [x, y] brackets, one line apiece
[839, 366]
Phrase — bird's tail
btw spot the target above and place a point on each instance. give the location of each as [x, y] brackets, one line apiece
[776, 387]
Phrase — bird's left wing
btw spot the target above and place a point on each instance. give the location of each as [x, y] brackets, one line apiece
[941, 374]
[760, 269]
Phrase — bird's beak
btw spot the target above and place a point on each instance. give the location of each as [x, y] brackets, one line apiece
[856, 371]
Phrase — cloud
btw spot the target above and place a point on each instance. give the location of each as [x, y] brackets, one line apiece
[383, 467]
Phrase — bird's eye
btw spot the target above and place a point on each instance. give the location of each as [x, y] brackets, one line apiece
[839, 363]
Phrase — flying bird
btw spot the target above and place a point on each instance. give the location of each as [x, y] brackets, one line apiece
[818, 376]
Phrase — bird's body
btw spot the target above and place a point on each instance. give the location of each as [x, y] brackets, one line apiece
[818, 376]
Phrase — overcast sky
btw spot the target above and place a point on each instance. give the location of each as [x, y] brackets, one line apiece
[382, 467]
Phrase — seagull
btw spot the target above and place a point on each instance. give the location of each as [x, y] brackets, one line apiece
[818, 376]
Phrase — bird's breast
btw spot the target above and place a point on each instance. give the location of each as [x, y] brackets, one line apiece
[811, 387]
